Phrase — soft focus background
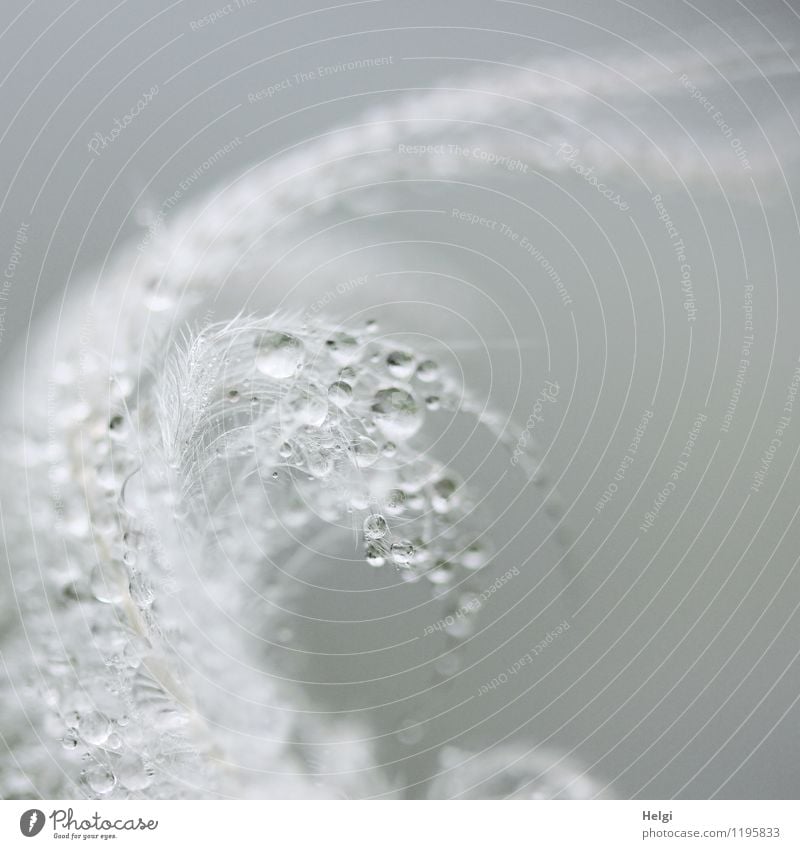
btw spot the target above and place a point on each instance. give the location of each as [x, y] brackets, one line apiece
[671, 299]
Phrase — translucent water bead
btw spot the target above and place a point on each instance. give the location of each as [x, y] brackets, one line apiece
[427, 371]
[340, 393]
[101, 779]
[343, 347]
[94, 728]
[133, 774]
[109, 582]
[400, 364]
[402, 552]
[396, 413]
[444, 497]
[375, 555]
[375, 527]
[279, 355]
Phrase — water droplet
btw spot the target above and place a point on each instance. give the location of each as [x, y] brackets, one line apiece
[416, 501]
[458, 623]
[134, 651]
[444, 496]
[157, 301]
[359, 499]
[233, 396]
[94, 728]
[442, 572]
[365, 452]
[474, 556]
[375, 555]
[101, 779]
[340, 393]
[396, 413]
[433, 402]
[142, 591]
[117, 429]
[109, 582]
[285, 450]
[307, 406]
[402, 552]
[395, 502]
[279, 355]
[343, 347]
[129, 558]
[70, 739]
[319, 461]
[400, 364]
[427, 371]
[133, 774]
[389, 449]
[375, 527]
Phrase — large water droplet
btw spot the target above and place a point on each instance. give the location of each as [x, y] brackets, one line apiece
[427, 371]
[343, 347]
[402, 552]
[365, 452]
[279, 355]
[444, 496]
[442, 572]
[340, 393]
[109, 582]
[101, 779]
[396, 413]
[474, 556]
[307, 406]
[375, 527]
[133, 774]
[375, 555]
[400, 364]
[395, 502]
[94, 728]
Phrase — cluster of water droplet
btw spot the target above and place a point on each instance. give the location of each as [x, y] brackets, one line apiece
[330, 420]
[290, 422]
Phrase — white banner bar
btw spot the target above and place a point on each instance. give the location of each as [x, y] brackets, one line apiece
[403, 824]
